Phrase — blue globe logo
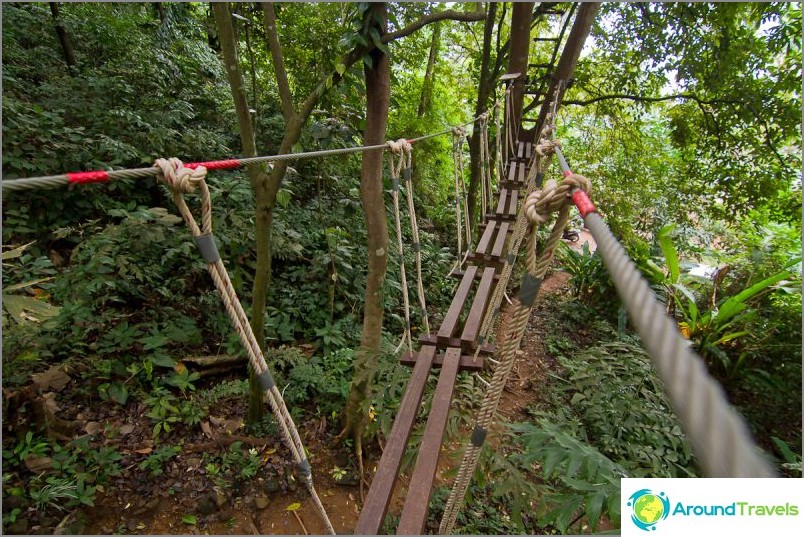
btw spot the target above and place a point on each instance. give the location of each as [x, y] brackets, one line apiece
[648, 508]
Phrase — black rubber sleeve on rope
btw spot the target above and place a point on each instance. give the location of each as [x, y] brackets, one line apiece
[511, 258]
[529, 289]
[406, 174]
[206, 245]
[539, 179]
[478, 437]
[304, 468]
[395, 184]
[266, 380]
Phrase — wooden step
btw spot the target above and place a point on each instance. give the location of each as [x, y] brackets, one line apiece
[414, 512]
[382, 486]
[468, 361]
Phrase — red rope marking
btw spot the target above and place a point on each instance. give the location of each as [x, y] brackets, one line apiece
[214, 164]
[583, 203]
[566, 173]
[99, 176]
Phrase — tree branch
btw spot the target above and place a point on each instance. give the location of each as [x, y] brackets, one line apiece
[433, 17]
[640, 98]
[285, 95]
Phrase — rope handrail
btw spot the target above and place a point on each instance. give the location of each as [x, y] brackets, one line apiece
[102, 176]
[719, 434]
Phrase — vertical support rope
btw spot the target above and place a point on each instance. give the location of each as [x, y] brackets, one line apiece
[184, 180]
[395, 166]
[414, 229]
[457, 168]
[482, 143]
[537, 207]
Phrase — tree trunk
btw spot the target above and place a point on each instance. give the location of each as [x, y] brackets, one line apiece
[160, 10]
[518, 59]
[483, 92]
[258, 178]
[378, 82]
[429, 74]
[64, 39]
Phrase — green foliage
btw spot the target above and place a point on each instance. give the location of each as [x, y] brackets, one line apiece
[589, 278]
[155, 462]
[580, 478]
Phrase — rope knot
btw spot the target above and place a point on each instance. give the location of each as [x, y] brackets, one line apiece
[540, 203]
[458, 131]
[484, 117]
[178, 177]
[578, 181]
[394, 146]
[547, 147]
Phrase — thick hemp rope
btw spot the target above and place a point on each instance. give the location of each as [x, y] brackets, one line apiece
[395, 166]
[538, 206]
[182, 180]
[407, 177]
[461, 216]
[543, 149]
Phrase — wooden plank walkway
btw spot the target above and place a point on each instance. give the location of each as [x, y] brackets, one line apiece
[450, 349]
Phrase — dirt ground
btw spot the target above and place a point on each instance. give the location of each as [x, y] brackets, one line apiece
[137, 503]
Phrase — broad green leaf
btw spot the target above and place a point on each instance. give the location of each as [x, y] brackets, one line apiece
[669, 251]
[735, 304]
[16, 252]
[162, 361]
[293, 507]
[189, 519]
[118, 392]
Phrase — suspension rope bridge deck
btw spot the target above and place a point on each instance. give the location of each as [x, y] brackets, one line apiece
[454, 347]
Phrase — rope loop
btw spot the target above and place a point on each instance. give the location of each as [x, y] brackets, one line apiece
[393, 146]
[178, 177]
[458, 131]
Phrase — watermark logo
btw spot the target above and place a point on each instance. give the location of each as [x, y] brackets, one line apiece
[648, 508]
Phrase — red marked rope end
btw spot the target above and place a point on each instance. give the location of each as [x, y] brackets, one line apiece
[215, 164]
[88, 177]
[583, 203]
[566, 173]
[410, 141]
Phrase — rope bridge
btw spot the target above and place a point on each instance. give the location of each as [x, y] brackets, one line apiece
[461, 342]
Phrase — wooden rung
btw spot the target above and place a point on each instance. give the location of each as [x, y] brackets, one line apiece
[468, 361]
[472, 325]
[501, 217]
[382, 486]
[467, 346]
[501, 204]
[459, 273]
[414, 512]
[512, 171]
[513, 201]
[499, 243]
[450, 322]
[485, 239]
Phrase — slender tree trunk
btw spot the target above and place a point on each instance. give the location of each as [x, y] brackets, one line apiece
[429, 74]
[518, 59]
[160, 10]
[257, 177]
[378, 82]
[64, 39]
[483, 93]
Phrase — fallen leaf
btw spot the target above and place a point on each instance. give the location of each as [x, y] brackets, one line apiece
[126, 429]
[206, 429]
[215, 420]
[50, 402]
[230, 426]
[54, 378]
[37, 465]
[144, 451]
[93, 427]
[293, 507]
